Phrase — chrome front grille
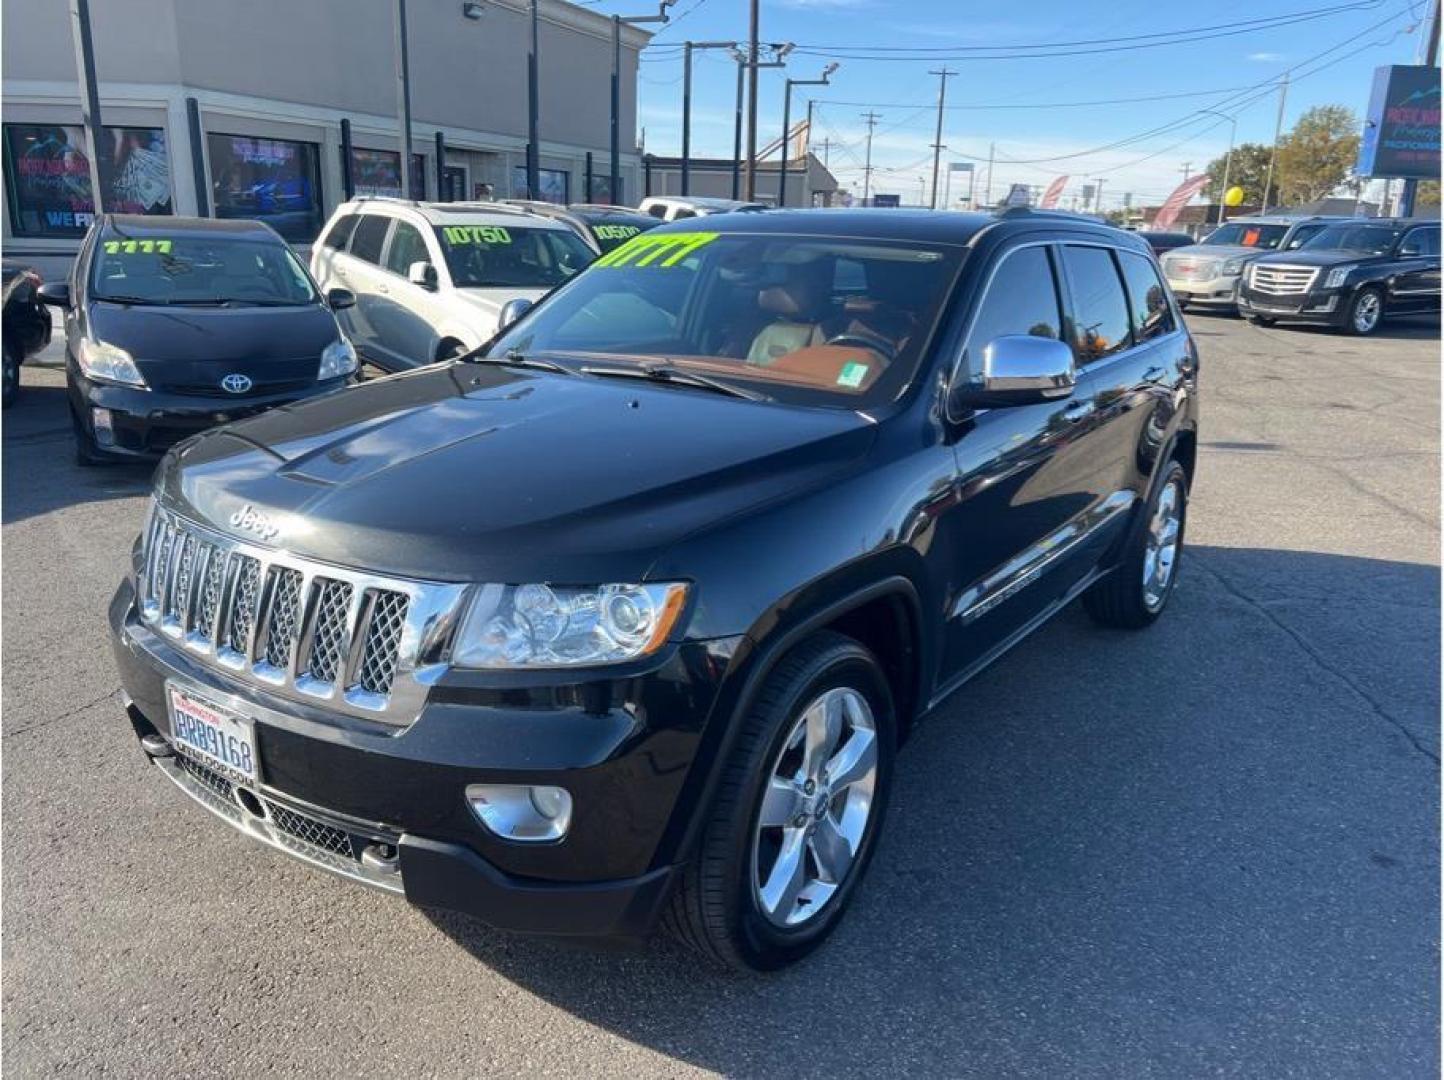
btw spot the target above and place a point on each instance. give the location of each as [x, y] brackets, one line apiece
[1282, 280]
[366, 645]
[1189, 269]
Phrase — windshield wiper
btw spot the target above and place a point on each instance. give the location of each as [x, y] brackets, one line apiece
[666, 373]
[516, 358]
[109, 299]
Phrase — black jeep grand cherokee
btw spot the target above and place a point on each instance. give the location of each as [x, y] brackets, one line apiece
[625, 618]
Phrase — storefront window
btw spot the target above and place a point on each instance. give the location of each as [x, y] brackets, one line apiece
[378, 172]
[272, 180]
[49, 176]
[554, 185]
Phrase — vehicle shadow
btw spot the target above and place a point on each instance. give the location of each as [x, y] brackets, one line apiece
[1417, 327]
[1095, 863]
[39, 468]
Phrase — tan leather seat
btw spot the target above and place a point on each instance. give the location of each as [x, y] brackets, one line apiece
[798, 309]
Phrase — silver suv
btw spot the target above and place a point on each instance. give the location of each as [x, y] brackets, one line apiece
[1207, 274]
[431, 279]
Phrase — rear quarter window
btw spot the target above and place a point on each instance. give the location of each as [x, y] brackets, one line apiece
[1151, 313]
[369, 237]
[1100, 309]
[340, 233]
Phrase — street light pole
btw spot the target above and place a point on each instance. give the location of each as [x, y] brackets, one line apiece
[90, 99]
[1228, 158]
[1278, 130]
[787, 123]
[533, 121]
[752, 58]
[687, 48]
[615, 175]
[403, 97]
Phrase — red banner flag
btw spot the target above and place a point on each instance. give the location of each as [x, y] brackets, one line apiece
[1055, 189]
[1174, 204]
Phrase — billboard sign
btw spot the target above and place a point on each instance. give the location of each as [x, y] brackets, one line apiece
[1401, 131]
[887, 200]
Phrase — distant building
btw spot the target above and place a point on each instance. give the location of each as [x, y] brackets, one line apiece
[809, 183]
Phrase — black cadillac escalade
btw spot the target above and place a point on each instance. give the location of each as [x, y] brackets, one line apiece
[623, 618]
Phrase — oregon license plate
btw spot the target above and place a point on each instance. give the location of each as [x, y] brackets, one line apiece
[213, 734]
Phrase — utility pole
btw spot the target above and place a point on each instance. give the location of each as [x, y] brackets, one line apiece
[1187, 168]
[826, 145]
[403, 97]
[872, 118]
[90, 99]
[1278, 131]
[752, 47]
[942, 73]
[1430, 55]
[787, 122]
[687, 104]
[737, 130]
[1228, 158]
[988, 188]
[533, 110]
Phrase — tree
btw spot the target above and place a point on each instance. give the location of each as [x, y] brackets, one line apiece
[1247, 170]
[1428, 194]
[1317, 155]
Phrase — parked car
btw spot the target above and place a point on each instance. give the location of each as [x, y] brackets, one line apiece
[1164, 242]
[1349, 276]
[602, 227]
[624, 619]
[677, 208]
[431, 279]
[1208, 273]
[26, 323]
[174, 325]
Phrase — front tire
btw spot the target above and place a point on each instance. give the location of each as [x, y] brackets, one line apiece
[1261, 320]
[11, 379]
[797, 814]
[87, 453]
[1137, 590]
[1366, 312]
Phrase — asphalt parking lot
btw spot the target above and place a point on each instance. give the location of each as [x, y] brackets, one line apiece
[1207, 848]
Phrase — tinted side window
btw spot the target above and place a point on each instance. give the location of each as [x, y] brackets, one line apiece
[1426, 240]
[407, 247]
[658, 211]
[1148, 300]
[369, 236]
[341, 232]
[1022, 298]
[1100, 311]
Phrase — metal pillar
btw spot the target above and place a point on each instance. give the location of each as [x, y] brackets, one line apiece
[89, 98]
[403, 98]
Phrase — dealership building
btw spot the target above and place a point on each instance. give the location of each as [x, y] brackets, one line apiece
[243, 109]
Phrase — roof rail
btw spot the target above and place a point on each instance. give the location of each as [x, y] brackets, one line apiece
[386, 198]
[481, 206]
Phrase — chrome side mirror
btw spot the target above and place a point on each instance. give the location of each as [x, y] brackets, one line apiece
[422, 273]
[54, 293]
[513, 310]
[1018, 369]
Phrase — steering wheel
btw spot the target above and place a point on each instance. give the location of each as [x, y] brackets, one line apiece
[879, 345]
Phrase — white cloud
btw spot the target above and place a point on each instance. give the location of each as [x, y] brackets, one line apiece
[1266, 57]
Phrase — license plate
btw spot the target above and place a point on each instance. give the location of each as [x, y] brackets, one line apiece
[216, 736]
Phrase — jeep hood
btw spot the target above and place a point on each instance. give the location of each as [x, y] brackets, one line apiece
[475, 472]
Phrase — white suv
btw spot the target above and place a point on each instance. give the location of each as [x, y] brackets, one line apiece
[431, 279]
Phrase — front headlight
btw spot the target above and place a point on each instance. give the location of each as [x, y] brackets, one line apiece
[541, 626]
[108, 363]
[1233, 267]
[337, 359]
[1338, 274]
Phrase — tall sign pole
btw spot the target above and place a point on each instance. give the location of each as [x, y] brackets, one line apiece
[943, 73]
[89, 97]
[403, 98]
[1278, 132]
[1430, 56]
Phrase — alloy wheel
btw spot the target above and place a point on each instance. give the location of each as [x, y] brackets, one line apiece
[815, 808]
[1366, 312]
[1161, 552]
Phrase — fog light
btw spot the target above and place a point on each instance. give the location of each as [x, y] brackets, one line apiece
[532, 814]
[100, 424]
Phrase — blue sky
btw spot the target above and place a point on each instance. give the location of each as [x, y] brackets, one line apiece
[1218, 71]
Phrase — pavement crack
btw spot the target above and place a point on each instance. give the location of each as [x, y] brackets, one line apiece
[1317, 657]
[109, 694]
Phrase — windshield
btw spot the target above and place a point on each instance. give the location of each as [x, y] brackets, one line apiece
[198, 269]
[1371, 239]
[614, 232]
[1244, 234]
[481, 256]
[1301, 235]
[819, 320]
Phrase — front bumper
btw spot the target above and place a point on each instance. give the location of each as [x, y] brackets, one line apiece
[147, 423]
[1319, 307]
[1221, 292]
[397, 794]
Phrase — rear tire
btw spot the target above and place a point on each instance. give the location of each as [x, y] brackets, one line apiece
[1261, 320]
[736, 902]
[11, 379]
[1136, 592]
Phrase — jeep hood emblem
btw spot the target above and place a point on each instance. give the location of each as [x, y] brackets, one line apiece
[253, 521]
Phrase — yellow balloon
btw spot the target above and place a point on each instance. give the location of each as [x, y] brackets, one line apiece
[1233, 196]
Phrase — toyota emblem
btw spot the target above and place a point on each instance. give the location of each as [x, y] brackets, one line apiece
[236, 383]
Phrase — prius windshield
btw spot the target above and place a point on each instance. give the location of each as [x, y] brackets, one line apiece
[197, 269]
[821, 320]
[1244, 234]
